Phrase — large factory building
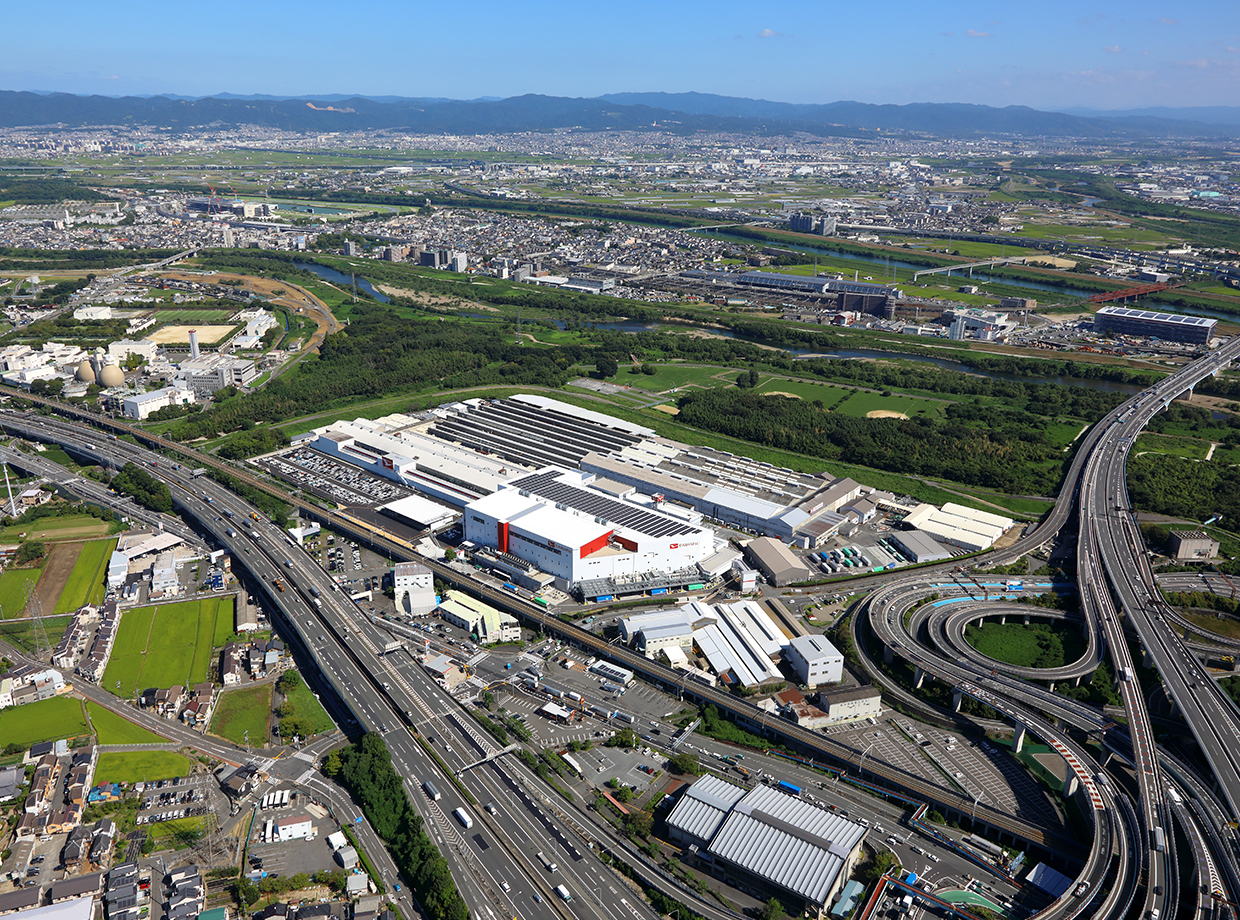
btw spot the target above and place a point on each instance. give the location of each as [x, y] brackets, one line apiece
[555, 520]
[1193, 330]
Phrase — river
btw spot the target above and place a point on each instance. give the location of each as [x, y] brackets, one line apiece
[343, 280]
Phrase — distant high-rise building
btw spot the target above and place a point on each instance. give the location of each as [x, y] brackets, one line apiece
[802, 223]
[230, 239]
[351, 248]
[826, 227]
[459, 262]
[958, 328]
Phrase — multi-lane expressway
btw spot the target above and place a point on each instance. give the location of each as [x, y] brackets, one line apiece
[1109, 552]
[496, 870]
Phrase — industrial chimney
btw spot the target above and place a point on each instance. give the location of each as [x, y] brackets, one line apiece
[193, 343]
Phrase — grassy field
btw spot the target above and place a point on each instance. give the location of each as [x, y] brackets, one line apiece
[140, 766]
[22, 635]
[1219, 625]
[13, 591]
[307, 707]
[240, 711]
[86, 582]
[69, 527]
[47, 720]
[1028, 646]
[189, 317]
[111, 728]
[168, 645]
[1190, 448]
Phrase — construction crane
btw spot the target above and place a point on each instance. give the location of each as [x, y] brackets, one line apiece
[213, 201]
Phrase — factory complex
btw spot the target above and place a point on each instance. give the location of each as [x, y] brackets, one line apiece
[776, 841]
[548, 492]
[740, 643]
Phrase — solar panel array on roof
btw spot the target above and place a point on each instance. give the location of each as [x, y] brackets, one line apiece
[1154, 315]
[549, 486]
[530, 435]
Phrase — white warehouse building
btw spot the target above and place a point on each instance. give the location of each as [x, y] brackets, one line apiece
[960, 526]
[553, 520]
[815, 660]
[142, 405]
[415, 588]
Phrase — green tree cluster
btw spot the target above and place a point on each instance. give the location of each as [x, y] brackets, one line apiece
[143, 488]
[366, 770]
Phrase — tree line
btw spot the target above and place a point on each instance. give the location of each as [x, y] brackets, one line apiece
[1008, 452]
[366, 770]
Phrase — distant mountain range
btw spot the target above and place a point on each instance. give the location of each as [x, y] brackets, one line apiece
[680, 112]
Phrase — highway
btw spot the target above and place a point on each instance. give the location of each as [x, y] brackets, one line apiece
[494, 865]
[1114, 581]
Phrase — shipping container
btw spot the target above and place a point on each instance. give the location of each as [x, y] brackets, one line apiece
[463, 816]
[788, 787]
[563, 893]
[429, 788]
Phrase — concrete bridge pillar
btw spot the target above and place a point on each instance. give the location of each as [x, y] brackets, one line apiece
[888, 654]
[1003, 620]
[1076, 681]
[1070, 785]
[957, 696]
[919, 678]
[1026, 619]
[1051, 686]
[1018, 738]
[1146, 662]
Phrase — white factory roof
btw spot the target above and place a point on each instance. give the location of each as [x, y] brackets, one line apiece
[539, 518]
[704, 805]
[419, 510]
[796, 845]
[154, 543]
[815, 648]
[982, 517]
[760, 630]
[729, 647]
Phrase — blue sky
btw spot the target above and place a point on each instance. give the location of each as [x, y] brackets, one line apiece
[1048, 55]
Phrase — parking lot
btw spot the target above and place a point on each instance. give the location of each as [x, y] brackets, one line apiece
[329, 478]
[167, 800]
[994, 776]
[293, 856]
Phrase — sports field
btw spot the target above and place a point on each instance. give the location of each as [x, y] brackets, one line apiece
[86, 581]
[239, 711]
[13, 591]
[140, 766]
[111, 728]
[168, 645]
[46, 720]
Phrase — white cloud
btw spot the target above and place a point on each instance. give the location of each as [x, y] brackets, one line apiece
[1168, 22]
[1113, 49]
[768, 33]
[973, 33]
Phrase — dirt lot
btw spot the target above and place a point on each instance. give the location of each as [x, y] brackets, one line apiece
[56, 573]
[180, 334]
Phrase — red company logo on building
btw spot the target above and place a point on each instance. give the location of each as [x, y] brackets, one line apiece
[551, 544]
[674, 546]
[387, 463]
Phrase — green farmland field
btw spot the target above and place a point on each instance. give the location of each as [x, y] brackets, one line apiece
[168, 645]
[13, 591]
[86, 581]
[111, 728]
[140, 766]
[239, 711]
[46, 720]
